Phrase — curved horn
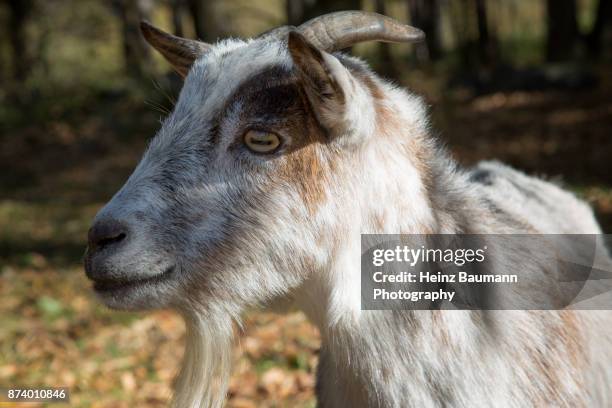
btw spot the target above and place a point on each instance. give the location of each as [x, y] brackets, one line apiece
[278, 32]
[335, 31]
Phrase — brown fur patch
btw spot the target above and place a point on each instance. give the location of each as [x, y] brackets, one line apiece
[571, 337]
[303, 166]
[304, 170]
[377, 221]
[440, 328]
[549, 365]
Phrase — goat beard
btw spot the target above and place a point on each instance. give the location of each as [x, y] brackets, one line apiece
[204, 375]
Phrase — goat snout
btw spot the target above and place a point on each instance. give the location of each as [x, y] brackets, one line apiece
[107, 239]
[117, 253]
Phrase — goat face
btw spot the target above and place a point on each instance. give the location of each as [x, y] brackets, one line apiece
[224, 192]
[227, 206]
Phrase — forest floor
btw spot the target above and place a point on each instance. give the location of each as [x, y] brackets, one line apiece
[57, 172]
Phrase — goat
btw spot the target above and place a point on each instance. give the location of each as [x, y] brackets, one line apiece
[279, 153]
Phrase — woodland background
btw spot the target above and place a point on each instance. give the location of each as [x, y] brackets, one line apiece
[528, 82]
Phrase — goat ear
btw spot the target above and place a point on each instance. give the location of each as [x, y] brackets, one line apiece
[179, 52]
[320, 75]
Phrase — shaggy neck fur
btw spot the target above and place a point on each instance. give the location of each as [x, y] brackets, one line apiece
[402, 171]
[427, 358]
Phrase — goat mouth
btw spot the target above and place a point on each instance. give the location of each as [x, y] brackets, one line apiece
[112, 285]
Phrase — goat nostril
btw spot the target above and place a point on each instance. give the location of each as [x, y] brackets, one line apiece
[106, 233]
[111, 240]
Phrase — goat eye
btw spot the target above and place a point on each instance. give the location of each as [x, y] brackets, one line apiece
[261, 142]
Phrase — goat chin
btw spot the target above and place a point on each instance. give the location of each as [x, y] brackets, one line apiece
[203, 378]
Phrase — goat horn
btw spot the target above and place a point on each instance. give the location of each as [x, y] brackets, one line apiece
[278, 32]
[335, 31]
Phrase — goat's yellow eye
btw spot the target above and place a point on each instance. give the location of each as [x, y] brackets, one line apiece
[261, 142]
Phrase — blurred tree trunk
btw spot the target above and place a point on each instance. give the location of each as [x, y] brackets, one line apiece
[385, 59]
[294, 9]
[603, 20]
[206, 21]
[176, 9]
[314, 8]
[425, 14]
[562, 32]
[483, 26]
[135, 51]
[19, 13]
[298, 11]
[487, 43]
[461, 22]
